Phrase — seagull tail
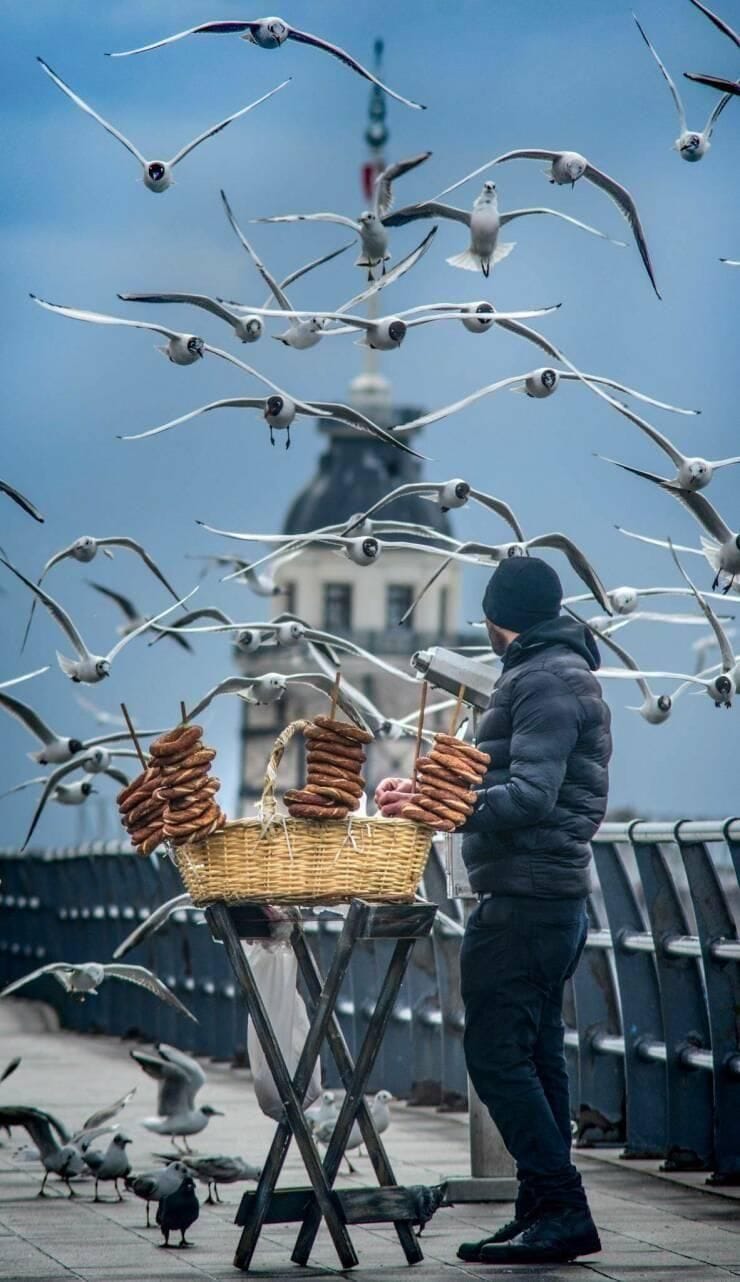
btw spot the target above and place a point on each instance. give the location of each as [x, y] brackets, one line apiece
[503, 250]
[68, 666]
[467, 261]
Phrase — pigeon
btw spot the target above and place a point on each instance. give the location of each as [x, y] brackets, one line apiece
[21, 500]
[85, 549]
[271, 33]
[112, 1165]
[152, 1186]
[484, 222]
[156, 174]
[722, 550]
[87, 667]
[271, 686]
[134, 618]
[427, 1201]
[565, 168]
[83, 979]
[499, 552]
[58, 748]
[180, 1078]
[178, 1210]
[248, 329]
[690, 145]
[220, 1169]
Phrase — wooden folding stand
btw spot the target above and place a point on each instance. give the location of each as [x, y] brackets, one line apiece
[308, 1205]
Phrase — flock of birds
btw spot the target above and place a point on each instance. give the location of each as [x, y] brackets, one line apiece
[77, 761]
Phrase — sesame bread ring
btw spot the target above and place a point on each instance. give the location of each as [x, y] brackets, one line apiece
[454, 766]
[145, 831]
[130, 789]
[353, 786]
[449, 741]
[176, 758]
[464, 758]
[177, 791]
[151, 843]
[191, 777]
[335, 757]
[196, 817]
[207, 829]
[302, 797]
[420, 816]
[175, 740]
[447, 809]
[320, 790]
[142, 812]
[136, 795]
[442, 780]
[197, 807]
[199, 757]
[315, 735]
[318, 812]
[344, 728]
[344, 769]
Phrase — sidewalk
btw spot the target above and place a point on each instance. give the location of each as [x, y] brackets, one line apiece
[651, 1230]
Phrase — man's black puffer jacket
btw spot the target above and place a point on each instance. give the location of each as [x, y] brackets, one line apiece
[545, 792]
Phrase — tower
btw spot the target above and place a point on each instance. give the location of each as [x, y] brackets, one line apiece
[330, 592]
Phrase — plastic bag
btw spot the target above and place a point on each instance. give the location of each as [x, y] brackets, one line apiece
[275, 971]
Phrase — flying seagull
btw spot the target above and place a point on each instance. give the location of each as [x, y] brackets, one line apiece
[719, 23]
[722, 549]
[722, 687]
[271, 686]
[57, 748]
[731, 87]
[152, 923]
[133, 617]
[271, 33]
[690, 145]
[655, 708]
[87, 667]
[565, 168]
[447, 495]
[157, 174]
[84, 979]
[53, 781]
[21, 500]
[625, 600]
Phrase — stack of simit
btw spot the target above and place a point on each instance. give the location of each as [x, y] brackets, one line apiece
[174, 799]
[444, 793]
[334, 760]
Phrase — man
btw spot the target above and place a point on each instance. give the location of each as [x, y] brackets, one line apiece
[526, 848]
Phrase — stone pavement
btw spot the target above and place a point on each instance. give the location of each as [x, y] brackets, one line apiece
[651, 1230]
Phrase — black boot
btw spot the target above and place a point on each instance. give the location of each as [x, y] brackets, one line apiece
[471, 1251]
[554, 1238]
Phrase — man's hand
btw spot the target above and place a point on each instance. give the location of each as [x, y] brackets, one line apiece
[392, 794]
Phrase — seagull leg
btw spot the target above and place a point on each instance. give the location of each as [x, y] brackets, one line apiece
[71, 1190]
[352, 1169]
[183, 1240]
[41, 1192]
[96, 1198]
[287, 439]
[210, 1200]
[185, 1142]
[118, 1191]
[215, 1187]
[272, 437]
[148, 1221]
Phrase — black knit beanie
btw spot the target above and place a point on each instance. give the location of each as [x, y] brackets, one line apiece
[521, 592]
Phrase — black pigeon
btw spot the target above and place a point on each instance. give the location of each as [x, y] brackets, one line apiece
[178, 1211]
[427, 1199]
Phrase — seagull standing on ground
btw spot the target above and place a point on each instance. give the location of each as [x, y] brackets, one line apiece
[180, 1078]
[220, 1169]
[152, 1186]
[111, 1165]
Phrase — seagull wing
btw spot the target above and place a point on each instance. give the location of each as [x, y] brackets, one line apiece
[629, 391]
[281, 298]
[413, 487]
[719, 23]
[715, 82]
[21, 500]
[674, 92]
[14, 681]
[100, 318]
[341, 643]
[435, 415]
[346, 414]
[231, 685]
[306, 38]
[579, 563]
[315, 262]
[428, 209]
[452, 556]
[55, 610]
[152, 924]
[104, 1115]
[174, 1093]
[146, 624]
[658, 543]
[80, 102]
[124, 603]
[120, 778]
[720, 462]
[196, 300]
[523, 213]
[205, 28]
[234, 402]
[216, 129]
[725, 649]
[27, 717]
[121, 736]
[621, 653]
[58, 969]
[51, 784]
[501, 509]
[715, 114]
[27, 783]
[705, 513]
[524, 331]
[123, 541]
[310, 218]
[248, 369]
[190, 1067]
[326, 685]
[145, 979]
[384, 181]
[530, 154]
[636, 471]
[395, 273]
[626, 204]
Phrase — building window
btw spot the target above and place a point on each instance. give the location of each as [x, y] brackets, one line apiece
[337, 607]
[288, 597]
[442, 611]
[398, 599]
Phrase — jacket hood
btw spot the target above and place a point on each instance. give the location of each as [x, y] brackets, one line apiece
[560, 631]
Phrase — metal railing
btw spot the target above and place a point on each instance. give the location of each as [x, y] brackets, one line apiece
[652, 1014]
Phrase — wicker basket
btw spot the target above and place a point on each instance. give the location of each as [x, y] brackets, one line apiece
[282, 860]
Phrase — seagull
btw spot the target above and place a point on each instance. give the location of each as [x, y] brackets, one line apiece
[186, 620]
[112, 1165]
[271, 686]
[85, 549]
[565, 168]
[83, 979]
[731, 87]
[220, 1169]
[133, 617]
[152, 1186]
[499, 552]
[180, 1078]
[307, 333]
[248, 329]
[692, 473]
[21, 500]
[60, 748]
[485, 222]
[722, 687]
[262, 583]
[271, 33]
[63, 1159]
[448, 495]
[157, 174]
[101, 765]
[385, 333]
[625, 600]
[87, 667]
[153, 922]
[730, 262]
[73, 794]
[655, 708]
[325, 1110]
[380, 1114]
[539, 384]
[690, 145]
[722, 550]
[720, 23]
[180, 349]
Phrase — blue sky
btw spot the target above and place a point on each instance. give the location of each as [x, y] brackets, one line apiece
[79, 227]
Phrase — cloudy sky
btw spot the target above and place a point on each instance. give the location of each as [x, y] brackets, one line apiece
[496, 74]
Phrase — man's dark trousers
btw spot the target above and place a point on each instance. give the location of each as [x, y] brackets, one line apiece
[516, 956]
